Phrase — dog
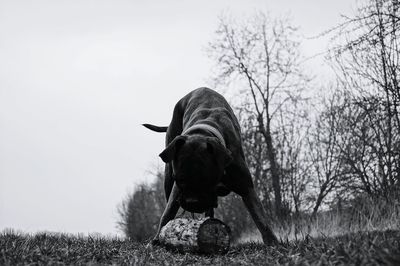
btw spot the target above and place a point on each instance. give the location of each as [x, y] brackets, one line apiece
[204, 160]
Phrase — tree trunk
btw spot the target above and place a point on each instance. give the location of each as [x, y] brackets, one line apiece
[317, 204]
[324, 190]
[274, 174]
[205, 235]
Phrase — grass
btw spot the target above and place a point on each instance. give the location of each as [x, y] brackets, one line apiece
[362, 248]
[366, 234]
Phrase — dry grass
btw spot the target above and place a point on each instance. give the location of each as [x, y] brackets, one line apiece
[364, 235]
[352, 249]
[367, 216]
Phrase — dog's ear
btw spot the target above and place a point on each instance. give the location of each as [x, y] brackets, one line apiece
[168, 154]
[219, 150]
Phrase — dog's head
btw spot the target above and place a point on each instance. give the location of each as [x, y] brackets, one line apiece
[198, 163]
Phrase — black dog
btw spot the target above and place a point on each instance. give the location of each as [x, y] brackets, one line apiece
[204, 159]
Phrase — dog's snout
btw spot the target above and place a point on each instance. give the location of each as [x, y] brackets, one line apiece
[192, 204]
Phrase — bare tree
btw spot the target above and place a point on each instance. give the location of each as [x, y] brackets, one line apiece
[324, 142]
[364, 149]
[254, 150]
[263, 56]
[368, 65]
[293, 125]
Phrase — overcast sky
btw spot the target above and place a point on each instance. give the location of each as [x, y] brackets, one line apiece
[77, 80]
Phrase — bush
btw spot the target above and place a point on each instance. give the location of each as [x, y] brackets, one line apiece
[141, 210]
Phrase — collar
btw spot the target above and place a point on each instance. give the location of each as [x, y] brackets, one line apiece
[209, 128]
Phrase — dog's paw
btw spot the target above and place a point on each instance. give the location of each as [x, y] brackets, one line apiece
[271, 242]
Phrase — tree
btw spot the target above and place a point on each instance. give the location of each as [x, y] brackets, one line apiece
[324, 141]
[254, 151]
[368, 66]
[293, 126]
[263, 56]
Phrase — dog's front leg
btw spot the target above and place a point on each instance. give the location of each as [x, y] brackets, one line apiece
[259, 216]
[169, 213]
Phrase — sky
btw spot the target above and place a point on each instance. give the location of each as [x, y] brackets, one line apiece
[77, 80]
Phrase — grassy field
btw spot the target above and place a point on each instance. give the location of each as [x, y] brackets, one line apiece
[368, 248]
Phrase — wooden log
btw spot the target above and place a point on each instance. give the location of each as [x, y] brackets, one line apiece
[205, 235]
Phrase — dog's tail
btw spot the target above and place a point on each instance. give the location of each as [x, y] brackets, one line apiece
[155, 128]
